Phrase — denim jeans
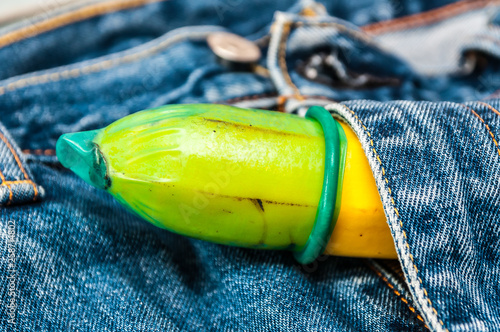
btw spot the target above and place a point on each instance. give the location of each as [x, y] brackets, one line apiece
[419, 91]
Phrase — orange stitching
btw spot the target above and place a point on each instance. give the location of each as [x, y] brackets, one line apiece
[400, 221]
[16, 157]
[490, 107]
[2, 177]
[396, 268]
[46, 152]
[429, 17]
[309, 12]
[282, 61]
[10, 194]
[6, 183]
[68, 18]
[487, 127]
[280, 107]
[398, 294]
[35, 190]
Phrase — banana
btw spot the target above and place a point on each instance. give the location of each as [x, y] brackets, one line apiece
[234, 176]
[361, 229]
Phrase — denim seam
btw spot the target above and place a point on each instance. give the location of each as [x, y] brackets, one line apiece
[426, 18]
[333, 107]
[21, 167]
[282, 59]
[62, 20]
[491, 108]
[486, 125]
[397, 292]
[273, 54]
[70, 72]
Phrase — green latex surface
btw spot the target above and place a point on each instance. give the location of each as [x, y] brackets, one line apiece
[234, 176]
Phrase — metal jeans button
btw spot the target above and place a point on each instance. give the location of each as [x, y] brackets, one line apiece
[233, 48]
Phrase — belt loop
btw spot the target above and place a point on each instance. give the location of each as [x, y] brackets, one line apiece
[16, 182]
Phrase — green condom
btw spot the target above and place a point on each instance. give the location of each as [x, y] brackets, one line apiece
[241, 177]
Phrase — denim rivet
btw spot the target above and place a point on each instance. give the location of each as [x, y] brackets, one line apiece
[233, 48]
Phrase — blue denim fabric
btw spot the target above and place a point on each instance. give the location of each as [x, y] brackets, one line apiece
[16, 185]
[73, 259]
